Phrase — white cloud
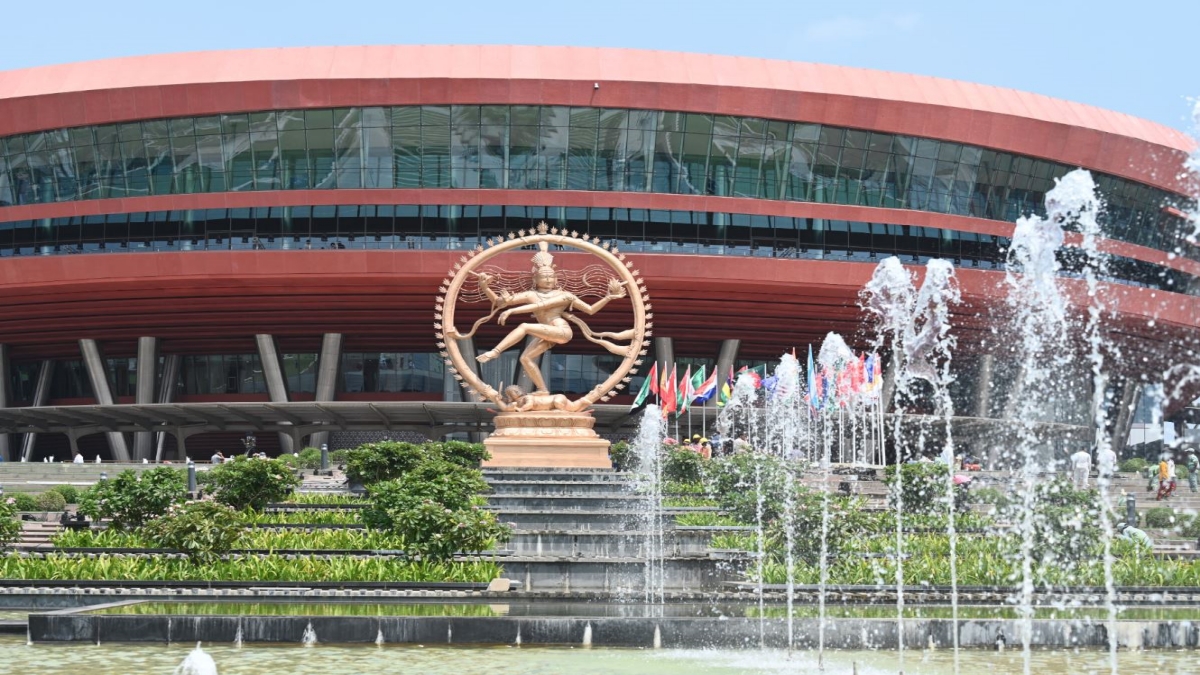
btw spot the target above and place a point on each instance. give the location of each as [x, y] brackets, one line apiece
[847, 28]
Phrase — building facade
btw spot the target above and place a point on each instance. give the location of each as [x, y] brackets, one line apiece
[273, 225]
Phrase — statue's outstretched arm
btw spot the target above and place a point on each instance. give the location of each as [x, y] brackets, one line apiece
[616, 289]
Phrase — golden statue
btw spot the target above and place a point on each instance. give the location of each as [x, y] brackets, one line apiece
[550, 305]
[538, 427]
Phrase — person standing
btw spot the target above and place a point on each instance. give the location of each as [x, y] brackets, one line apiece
[1106, 464]
[1081, 466]
[1162, 479]
[1193, 465]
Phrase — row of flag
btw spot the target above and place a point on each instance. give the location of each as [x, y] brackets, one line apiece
[848, 380]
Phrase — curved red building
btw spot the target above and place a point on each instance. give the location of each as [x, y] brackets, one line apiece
[273, 225]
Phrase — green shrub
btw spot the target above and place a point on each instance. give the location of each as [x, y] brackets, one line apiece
[1160, 518]
[847, 521]
[131, 499]
[682, 465]
[1134, 465]
[1181, 471]
[740, 481]
[991, 496]
[51, 501]
[310, 459]
[436, 509]
[387, 460]
[450, 485]
[622, 456]
[10, 527]
[470, 455]
[252, 483]
[922, 486]
[69, 493]
[202, 530]
[24, 502]
[337, 457]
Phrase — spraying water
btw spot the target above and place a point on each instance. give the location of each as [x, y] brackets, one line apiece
[1039, 320]
[648, 479]
[197, 662]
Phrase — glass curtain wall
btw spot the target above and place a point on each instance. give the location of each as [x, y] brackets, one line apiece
[556, 148]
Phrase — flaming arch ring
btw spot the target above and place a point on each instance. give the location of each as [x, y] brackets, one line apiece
[472, 261]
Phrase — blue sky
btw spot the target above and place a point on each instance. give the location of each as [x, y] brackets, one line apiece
[1140, 58]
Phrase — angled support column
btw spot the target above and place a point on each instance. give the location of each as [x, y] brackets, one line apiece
[328, 368]
[983, 386]
[166, 394]
[147, 372]
[41, 394]
[276, 382]
[5, 398]
[726, 357]
[1130, 393]
[93, 362]
[664, 354]
[466, 346]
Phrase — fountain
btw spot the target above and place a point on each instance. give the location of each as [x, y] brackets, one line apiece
[198, 662]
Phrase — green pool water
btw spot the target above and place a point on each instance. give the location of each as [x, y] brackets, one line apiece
[144, 659]
[594, 610]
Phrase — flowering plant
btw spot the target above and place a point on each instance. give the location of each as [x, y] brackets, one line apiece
[10, 527]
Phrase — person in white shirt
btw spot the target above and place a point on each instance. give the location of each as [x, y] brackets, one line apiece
[78, 457]
[1081, 466]
[1106, 463]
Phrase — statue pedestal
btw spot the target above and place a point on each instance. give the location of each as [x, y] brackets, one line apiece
[546, 439]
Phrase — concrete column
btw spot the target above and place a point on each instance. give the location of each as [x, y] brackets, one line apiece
[726, 357]
[93, 362]
[5, 397]
[41, 394]
[276, 382]
[1130, 390]
[983, 386]
[328, 367]
[147, 371]
[166, 394]
[664, 355]
[889, 383]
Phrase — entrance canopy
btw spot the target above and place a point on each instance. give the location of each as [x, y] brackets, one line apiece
[297, 419]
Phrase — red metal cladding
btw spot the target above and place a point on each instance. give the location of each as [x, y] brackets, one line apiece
[202, 83]
[210, 301]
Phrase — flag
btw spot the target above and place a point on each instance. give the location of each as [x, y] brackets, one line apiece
[726, 389]
[707, 388]
[696, 381]
[812, 381]
[667, 390]
[684, 395]
[648, 385]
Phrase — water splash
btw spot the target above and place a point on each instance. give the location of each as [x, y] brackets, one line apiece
[237, 637]
[1039, 319]
[648, 481]
[309, 639]
[197, 662]
[379, 641]
[914, 325]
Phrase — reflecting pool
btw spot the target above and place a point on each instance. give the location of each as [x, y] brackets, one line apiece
[122, 659]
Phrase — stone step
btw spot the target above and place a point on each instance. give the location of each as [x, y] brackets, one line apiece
[542, 519]
[557, 488]
[605, 544]
[592, 502]
[577, 475]
[619, 575]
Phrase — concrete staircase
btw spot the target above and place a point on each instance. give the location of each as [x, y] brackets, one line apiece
[578, 530]
[35, 477]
